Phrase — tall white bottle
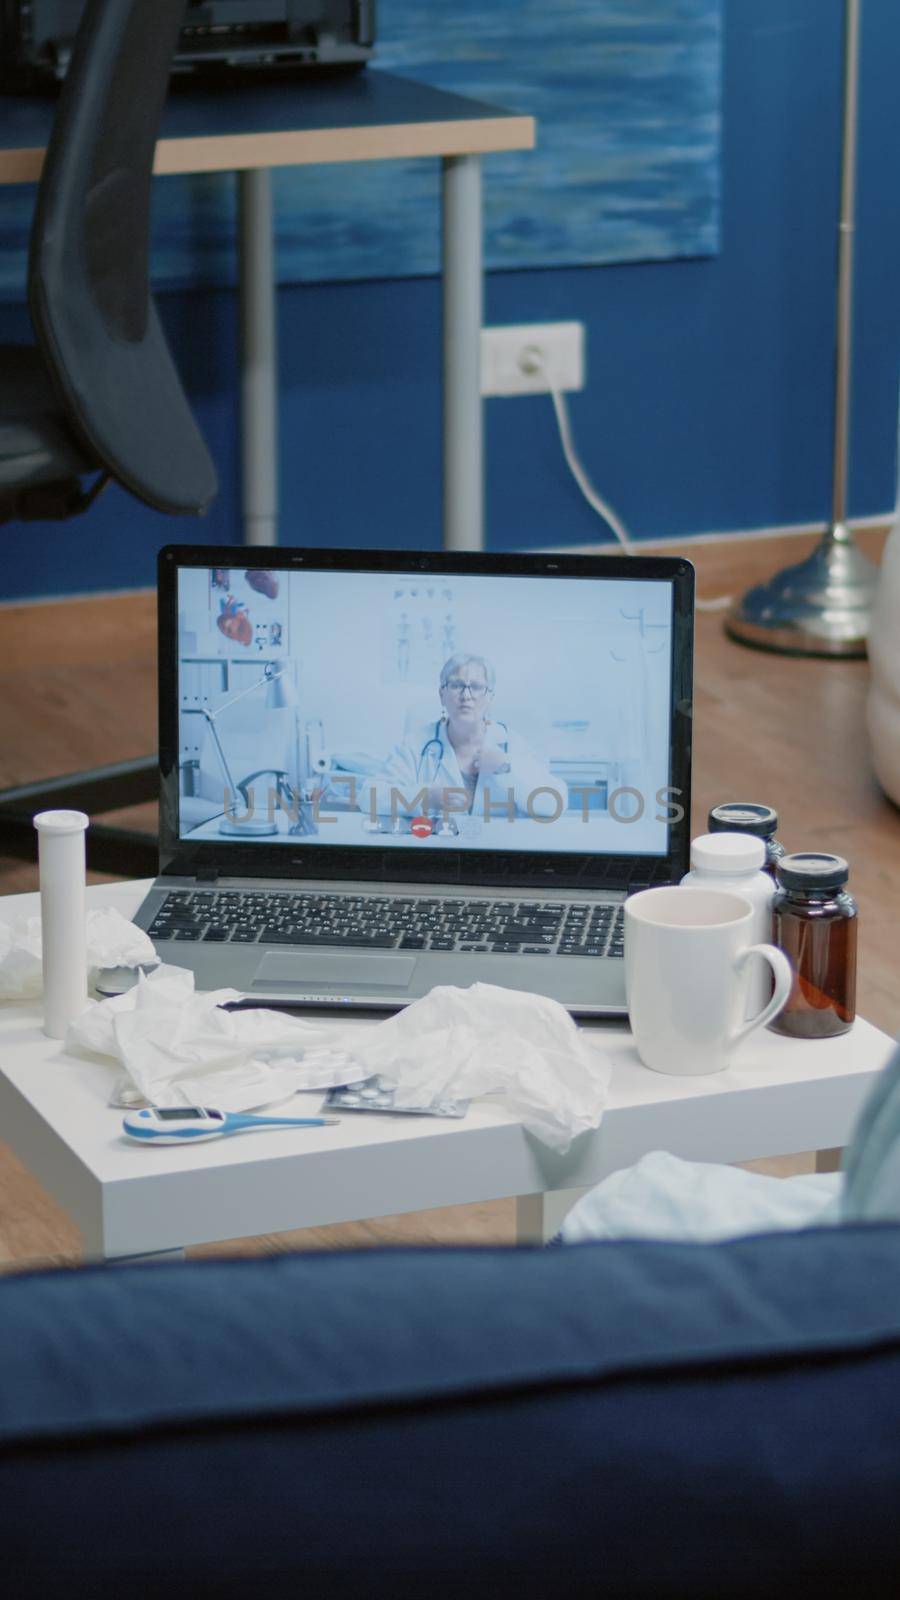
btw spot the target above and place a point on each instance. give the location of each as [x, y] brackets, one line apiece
[735, 861]
[61, 866]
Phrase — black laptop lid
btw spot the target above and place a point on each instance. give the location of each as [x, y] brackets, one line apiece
[520, 720]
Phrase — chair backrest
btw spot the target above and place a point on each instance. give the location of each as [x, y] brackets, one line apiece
[94, 319]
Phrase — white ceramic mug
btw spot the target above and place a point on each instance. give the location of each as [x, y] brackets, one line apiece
[689, 954]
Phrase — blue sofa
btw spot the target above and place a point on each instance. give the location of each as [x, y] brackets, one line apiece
[616, 1420]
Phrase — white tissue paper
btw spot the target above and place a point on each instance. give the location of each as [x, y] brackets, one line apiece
[112, 941]
[459, 1043]
[181, 1047]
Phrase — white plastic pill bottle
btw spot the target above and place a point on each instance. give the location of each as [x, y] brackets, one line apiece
[735, 861]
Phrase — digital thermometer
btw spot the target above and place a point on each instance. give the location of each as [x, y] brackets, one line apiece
[190, 1124]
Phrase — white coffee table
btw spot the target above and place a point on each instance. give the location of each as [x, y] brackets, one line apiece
[781, 1096]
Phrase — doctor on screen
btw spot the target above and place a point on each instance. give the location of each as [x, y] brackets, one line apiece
[465, 758]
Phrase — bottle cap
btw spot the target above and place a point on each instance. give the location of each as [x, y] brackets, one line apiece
[743, 816]
[812, 870]
[728, 852]
[55, 822]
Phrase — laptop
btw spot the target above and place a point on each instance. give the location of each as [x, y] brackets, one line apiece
[382, 771]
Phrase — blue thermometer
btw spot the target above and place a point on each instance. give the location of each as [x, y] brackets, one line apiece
[190, 1124]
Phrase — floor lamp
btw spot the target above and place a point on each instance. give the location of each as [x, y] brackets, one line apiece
[822, 606]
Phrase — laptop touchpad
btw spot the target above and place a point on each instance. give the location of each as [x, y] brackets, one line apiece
[320, 972]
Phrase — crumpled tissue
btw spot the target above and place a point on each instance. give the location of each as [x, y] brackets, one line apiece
[112, 941]
[459, 1043]
[180, 1047]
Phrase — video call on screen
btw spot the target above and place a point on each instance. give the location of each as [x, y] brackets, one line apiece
[427, 712]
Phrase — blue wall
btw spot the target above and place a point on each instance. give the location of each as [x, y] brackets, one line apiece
[709, 399]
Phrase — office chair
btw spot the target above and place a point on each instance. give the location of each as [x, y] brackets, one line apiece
[97, 398]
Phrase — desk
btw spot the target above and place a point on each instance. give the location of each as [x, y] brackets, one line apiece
[782, 1095]
[371, 116]
[599, 834]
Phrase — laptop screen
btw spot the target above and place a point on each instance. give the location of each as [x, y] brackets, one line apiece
[466, 711]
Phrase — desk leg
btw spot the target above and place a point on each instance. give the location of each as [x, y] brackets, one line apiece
[539, 1217]
[463, 289]
[259, 358]
[530, 1219]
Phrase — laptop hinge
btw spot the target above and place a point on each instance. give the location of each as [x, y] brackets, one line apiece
[206, 875]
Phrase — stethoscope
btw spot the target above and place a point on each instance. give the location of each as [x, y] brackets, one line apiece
[436, 746]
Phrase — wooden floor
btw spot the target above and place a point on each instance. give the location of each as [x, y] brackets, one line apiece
[78, 689]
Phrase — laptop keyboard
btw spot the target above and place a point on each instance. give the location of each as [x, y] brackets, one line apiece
[382, 922]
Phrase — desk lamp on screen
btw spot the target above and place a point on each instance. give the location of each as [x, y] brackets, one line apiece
[280, 695]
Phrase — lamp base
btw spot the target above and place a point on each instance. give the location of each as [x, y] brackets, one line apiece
[820, 607]
[234, 828]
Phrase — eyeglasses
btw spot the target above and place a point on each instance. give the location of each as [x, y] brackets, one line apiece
[459, 686]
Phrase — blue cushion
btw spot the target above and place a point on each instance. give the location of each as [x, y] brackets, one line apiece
[619, 1419]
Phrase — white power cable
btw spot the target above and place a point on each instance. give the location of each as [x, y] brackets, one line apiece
[594, 500]
[535, 363]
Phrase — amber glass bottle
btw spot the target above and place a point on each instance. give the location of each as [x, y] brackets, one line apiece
[745, 816]
[815, 926]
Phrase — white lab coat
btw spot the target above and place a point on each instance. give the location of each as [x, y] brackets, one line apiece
[427, 757]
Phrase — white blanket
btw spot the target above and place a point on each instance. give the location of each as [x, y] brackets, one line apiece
[662, 1197]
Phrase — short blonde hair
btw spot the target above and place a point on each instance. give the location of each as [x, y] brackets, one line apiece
[455, 662]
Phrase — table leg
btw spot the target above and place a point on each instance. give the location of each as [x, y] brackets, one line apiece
[539, 1217]
[463, 290]
[259, 358]
[530, 1219]
[828, 1160]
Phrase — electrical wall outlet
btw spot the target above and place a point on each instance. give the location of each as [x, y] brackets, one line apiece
[532, 358]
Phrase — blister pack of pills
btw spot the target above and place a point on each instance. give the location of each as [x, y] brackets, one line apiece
[373, 1094]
